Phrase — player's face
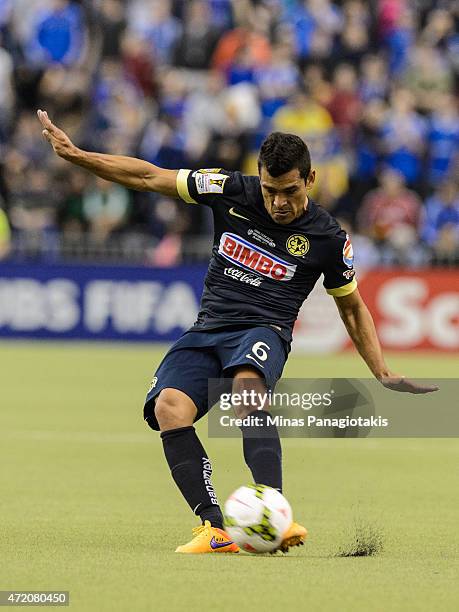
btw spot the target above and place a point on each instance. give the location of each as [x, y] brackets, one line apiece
[285, 197]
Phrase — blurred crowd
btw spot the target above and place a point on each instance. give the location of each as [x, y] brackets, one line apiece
[371, 86]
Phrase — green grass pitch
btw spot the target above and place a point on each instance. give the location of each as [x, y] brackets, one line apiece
[87, 504]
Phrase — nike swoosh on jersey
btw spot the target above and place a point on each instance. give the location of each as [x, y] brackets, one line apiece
[235, 214]
[214, 544]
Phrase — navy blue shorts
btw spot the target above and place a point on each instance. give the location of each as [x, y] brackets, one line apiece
[198, 356]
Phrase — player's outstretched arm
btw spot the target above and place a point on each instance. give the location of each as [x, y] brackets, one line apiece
[128, 171]
[361, 328]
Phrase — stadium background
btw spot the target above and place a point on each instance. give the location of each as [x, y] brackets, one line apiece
[372, 87]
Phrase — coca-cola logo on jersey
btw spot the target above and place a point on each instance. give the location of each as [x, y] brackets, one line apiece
[252, 257]
[244, 277]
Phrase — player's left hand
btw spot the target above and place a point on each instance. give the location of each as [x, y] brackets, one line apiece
[404, 385]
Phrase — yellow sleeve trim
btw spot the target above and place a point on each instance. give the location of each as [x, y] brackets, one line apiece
[344, 290]
[5, 232]
[182, 186]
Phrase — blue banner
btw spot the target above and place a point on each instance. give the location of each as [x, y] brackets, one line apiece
[98, 302]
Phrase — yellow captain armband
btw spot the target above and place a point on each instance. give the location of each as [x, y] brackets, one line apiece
[182, 186]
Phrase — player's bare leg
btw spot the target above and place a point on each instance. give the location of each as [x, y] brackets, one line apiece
[174, 409]
[262, 448]
[191, 470]
[261, 445]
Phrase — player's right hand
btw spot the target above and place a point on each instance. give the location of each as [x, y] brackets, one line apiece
[58, 139]
[404, 385]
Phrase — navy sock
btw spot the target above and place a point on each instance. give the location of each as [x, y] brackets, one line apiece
[262, 451]
[191, 470]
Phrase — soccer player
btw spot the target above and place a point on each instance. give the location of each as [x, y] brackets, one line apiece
[271, 245]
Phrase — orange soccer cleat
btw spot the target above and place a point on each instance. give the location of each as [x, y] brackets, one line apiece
[208, 539]
[295, 535]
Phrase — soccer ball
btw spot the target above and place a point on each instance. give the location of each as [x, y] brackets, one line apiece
[256, 518]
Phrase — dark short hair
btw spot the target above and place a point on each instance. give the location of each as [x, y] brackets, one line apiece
[280, 153]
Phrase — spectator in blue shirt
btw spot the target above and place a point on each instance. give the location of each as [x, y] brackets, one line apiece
[404, 136]
[441, 217]
[161, 29]
[221, 12]
[443, 138]
[277, 80]
[374, 80]
[396, 25]
[58, 35]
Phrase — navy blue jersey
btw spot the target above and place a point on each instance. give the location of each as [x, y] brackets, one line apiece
[261, 272]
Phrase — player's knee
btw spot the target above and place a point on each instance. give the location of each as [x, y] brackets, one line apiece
[250, 385]
[174, 409]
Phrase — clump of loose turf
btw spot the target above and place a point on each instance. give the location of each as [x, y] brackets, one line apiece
[366, 541]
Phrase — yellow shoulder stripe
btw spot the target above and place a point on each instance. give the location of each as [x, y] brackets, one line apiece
[182, 186]
[344, 290]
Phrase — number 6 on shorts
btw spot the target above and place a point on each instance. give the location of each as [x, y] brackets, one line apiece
[259, 350]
